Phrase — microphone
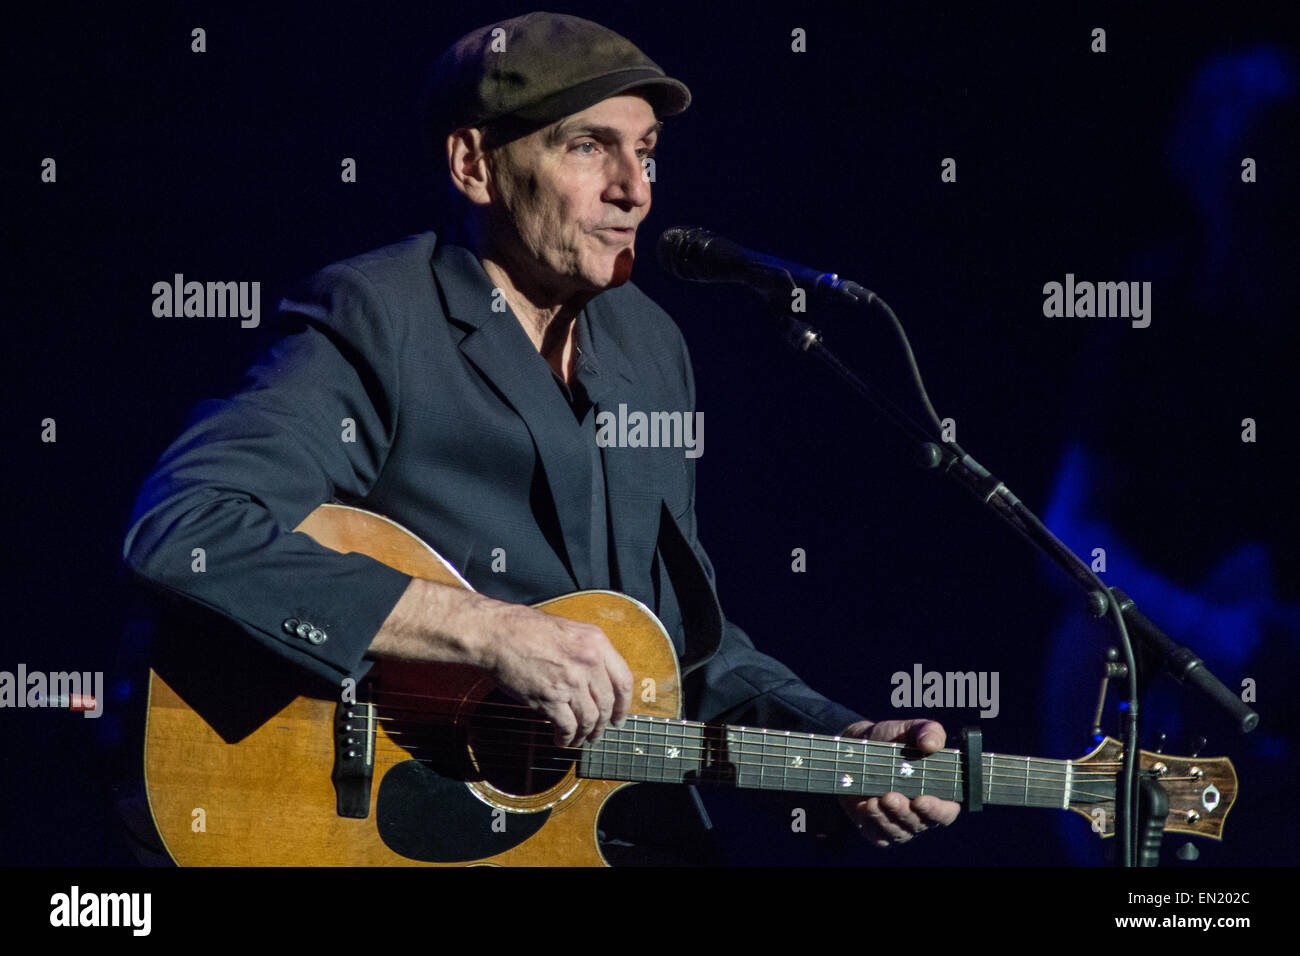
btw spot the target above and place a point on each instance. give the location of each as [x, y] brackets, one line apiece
[697, 255]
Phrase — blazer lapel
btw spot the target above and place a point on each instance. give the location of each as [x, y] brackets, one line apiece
[632, 483]
[500, 349]
[640, 520]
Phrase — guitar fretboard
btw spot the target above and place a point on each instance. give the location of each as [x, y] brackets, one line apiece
[659, 750]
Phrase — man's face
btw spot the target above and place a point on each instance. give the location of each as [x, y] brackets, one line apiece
[573, 194]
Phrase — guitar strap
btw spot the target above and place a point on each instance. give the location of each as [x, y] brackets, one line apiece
[701, 613]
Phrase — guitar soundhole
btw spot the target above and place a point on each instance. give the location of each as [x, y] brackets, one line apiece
[513, 747]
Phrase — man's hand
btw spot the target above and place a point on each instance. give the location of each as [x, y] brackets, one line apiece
[894, 818]
[567, 671]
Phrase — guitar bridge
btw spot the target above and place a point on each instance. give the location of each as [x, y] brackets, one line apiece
[354, 758]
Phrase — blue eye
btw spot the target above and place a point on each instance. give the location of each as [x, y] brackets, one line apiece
[581, 145]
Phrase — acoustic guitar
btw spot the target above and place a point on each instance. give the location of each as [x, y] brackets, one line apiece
[427, 764]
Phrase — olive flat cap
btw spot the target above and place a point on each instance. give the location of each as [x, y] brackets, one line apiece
[532, 70]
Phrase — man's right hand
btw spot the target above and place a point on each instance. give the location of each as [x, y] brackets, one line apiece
[565, 670]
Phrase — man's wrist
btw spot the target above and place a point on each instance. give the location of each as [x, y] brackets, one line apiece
[435, 622]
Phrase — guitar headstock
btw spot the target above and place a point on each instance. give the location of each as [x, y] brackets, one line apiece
[1201, 790]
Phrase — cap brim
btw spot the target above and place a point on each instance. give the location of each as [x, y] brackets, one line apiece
[668, 96]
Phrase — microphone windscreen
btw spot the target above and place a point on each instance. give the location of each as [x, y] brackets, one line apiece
[695, 254]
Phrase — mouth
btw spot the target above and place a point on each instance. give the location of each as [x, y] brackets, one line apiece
[616, 236]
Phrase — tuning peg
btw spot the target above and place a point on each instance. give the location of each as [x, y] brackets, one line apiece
[1160, 745]
[1196, 747]
[1188, 852]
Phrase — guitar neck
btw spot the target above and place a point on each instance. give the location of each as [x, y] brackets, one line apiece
[659, 750]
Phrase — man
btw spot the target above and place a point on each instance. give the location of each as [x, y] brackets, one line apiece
[454, 389]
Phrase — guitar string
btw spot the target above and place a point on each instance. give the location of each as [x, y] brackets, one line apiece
[542, 737]
[601, 761]
[830, 751]
[1029, 784]
[602, 769]
[532, 721]
[938, 770]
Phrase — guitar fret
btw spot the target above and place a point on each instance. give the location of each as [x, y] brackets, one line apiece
[628, 763]
[614, 756]
[792, 760]
[651, 762]
[1001, 783]
[799, 762]
[729, 752]
[640, 749]
[755, 752]
[725, 752]
[680, 753]
[833, 756]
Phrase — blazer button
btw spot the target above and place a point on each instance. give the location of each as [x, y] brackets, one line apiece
[290, 625]
[317, 636]
[303, 630]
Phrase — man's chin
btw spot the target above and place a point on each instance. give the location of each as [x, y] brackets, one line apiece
[607, 272]
[621, 270]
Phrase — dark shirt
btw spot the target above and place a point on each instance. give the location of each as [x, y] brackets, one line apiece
[586, 368]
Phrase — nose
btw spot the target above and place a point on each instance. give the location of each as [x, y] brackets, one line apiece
[628, 183]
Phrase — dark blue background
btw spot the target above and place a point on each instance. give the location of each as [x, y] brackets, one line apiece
[1116, 166]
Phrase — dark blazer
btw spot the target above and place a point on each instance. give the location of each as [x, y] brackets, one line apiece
[461, 434]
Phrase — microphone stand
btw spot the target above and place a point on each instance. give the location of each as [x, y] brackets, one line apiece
[952, 460]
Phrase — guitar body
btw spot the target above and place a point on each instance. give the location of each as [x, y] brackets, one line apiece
[273, 798]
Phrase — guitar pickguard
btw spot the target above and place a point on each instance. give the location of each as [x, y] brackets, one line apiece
[434, 819]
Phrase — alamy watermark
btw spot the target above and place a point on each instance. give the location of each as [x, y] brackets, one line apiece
[208, 300]
[1102, 300]
[75, 908]
[923, 688]
[73, 690]
[653, 430]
